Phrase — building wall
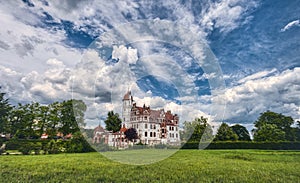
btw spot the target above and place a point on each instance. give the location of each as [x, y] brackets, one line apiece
[148, 127]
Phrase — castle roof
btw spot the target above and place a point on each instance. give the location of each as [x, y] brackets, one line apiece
[127, 96]
[99, 129]
[123, 129]
[154, 114]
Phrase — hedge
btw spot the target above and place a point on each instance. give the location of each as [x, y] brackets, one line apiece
[76, 145]
[245, 145]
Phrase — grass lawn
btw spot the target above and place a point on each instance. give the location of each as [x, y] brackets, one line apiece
[183, 166]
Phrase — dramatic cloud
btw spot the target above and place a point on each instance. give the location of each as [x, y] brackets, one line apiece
[225, 15]
[41, 55]
[277, 92]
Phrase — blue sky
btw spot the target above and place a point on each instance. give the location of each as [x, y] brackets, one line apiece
[43, 44]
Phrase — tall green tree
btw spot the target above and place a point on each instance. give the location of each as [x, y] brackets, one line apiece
[279, 123]
[197, 130]
[225, 133]
[72, 116]
[5, 109]
[113, 122]
[241, 131]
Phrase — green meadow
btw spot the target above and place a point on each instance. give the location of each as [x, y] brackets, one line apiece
[183, 166]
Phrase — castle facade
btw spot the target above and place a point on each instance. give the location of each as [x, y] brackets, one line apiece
[152, 126]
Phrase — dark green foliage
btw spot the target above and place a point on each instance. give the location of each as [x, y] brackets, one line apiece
[131, 134]
[113, 122]
[269, 132]
[197, 130]
[272, 126]
[30, 121]
[78, 144]
[225, 133]
[72, 116]
[246, 145]
[75, 145]
[5, 109]
[241, 132]
[297, 131]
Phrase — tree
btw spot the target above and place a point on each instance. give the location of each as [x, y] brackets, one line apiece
[72, 116]
[298, 131]
[278, 123]
[269, 132]
[197, 130]
[241, 132]
[225, 133]
[113, 122]
[131, 134]
[54, 117]
[22, 121]
[5, 109]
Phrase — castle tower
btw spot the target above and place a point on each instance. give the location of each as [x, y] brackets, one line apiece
[127, 105]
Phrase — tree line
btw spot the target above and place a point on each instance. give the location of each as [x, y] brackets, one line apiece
[31, 121]
[269, 127]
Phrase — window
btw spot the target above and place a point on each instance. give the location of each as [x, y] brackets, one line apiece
[154, 134]
[146, 126]
[145, 134]
[176, 135]
[154, 127]
[150, 134]
[145, 117]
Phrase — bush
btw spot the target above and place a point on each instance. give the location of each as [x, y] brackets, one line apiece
[26, 148]
[78, 144]
[246, 145]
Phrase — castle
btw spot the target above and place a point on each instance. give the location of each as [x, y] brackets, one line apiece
[152, 126]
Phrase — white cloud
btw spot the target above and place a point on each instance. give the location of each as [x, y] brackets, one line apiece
[257, 75]
[129, 54]
[226, 14]
[295, 23]
[28, 45]
[277, 92]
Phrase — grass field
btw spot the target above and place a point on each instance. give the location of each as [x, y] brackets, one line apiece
[183, 166]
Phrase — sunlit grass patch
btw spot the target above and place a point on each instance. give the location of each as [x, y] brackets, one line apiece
[183, 166]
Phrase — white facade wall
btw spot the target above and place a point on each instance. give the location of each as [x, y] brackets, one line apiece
[149, 130]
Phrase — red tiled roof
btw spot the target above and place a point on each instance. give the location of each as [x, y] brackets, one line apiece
[169, 116]
[123, 129]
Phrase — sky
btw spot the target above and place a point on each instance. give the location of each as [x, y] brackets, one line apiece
[229, 60]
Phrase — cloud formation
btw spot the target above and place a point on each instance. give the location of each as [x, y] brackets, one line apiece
[277, 92]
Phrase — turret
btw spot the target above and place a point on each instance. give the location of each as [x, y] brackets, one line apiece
[127, 105]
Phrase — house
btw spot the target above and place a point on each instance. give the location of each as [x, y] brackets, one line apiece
[152, 126]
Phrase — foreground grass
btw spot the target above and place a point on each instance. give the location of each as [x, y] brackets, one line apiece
[183, 166]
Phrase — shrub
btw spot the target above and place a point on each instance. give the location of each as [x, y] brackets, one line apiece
[246, 145]
[25, 148]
